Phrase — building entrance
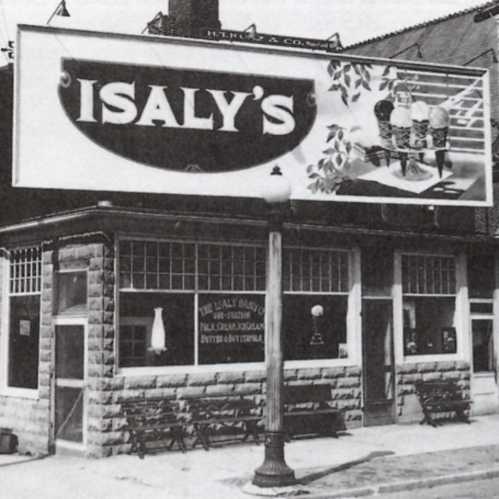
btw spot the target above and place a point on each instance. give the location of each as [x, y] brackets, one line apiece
[69, 385]
[379, 401]
[483, 381]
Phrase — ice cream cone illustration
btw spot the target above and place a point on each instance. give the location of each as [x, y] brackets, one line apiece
[420, 114]
[401, 127]
[383, 110]
[439, 126]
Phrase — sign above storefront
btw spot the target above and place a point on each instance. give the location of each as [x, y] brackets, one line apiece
[166, 115]
[332, 45]
[173, 117]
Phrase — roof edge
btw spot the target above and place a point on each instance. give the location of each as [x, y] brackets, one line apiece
[414, 27]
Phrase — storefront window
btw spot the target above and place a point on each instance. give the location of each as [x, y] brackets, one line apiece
[316, 286]
[429, 304]
[212, 301]
[24, 317]
[211, 298]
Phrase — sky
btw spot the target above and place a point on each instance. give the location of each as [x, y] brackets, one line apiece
[354, 20]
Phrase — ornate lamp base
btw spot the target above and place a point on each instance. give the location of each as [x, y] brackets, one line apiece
[274, 472]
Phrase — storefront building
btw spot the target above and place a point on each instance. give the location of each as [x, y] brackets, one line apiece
[376, 297]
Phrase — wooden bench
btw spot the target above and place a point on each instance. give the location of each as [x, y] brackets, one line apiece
[307, 411]
[441, 397]
[153, 420]
[212, 416]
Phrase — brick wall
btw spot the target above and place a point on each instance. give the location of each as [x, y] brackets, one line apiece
[408, 407]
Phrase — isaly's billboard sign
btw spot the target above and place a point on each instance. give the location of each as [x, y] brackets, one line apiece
[115, 112]
[175, 117]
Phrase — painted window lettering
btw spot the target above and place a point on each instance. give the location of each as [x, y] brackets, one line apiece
[115, 103]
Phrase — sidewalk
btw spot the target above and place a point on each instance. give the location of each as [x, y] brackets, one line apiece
[362, 462]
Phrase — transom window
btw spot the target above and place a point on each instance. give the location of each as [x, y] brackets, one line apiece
[25, 275]
[428, 275]
[211, 298]
[315, 270]
[188, 266]
[24, 317]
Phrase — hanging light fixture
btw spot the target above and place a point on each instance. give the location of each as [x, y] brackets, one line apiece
[61, 10]
[158, 334]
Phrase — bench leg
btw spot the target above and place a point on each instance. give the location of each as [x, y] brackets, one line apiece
[141, 446]
[461, 416]
[201, 436]
[250, 428]
[427, 418]
[178, 433]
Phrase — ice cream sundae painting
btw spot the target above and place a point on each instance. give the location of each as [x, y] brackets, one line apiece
[404, 132]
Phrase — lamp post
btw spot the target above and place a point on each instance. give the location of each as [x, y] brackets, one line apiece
[274, 471]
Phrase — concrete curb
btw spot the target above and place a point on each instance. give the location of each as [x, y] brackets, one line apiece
[387, 488]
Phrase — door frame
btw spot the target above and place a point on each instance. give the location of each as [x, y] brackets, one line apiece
[56, 443]
[486, 374]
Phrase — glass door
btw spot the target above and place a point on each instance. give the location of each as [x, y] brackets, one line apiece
[69, 383]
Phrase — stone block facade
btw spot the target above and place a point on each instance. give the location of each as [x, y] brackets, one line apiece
[29, 416]
[107, 390]
[345, 383]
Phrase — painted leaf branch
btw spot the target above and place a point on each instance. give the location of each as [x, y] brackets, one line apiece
[332, 170]
[393, 83]
[349, 79]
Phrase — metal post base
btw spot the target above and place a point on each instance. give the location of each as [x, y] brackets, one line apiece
[274, 472]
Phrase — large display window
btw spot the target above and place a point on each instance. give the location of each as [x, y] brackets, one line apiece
[203, 303]
[205, 299]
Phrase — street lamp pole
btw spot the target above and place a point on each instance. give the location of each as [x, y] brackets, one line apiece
[274, 472]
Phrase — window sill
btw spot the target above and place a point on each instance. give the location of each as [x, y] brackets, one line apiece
[483, 374]
[250, 366]
[302, 364]
[442, 357]
[24, 393]
[165, 370]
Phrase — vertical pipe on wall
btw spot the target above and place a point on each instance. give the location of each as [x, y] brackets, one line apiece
[398, 321]
[465, 351]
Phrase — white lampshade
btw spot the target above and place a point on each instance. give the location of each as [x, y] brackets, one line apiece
[277, 188]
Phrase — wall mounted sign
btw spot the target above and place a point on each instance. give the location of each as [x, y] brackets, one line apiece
[206, 118]
[168, 117]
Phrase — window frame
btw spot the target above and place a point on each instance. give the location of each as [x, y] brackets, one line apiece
[5, 297]
[352, 319]
[195, 292]
[353, 288]
[461, 308]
